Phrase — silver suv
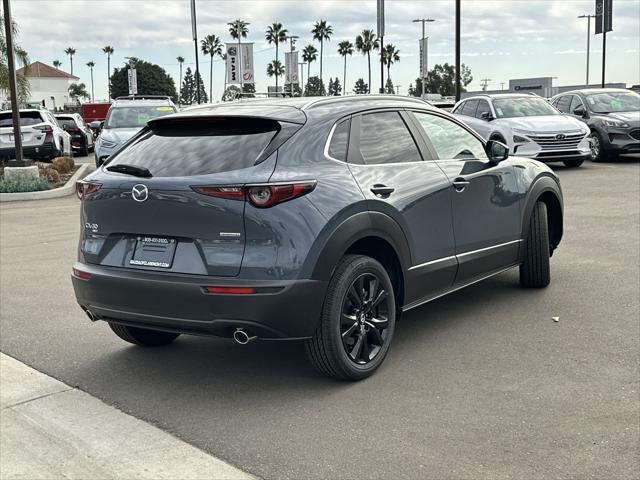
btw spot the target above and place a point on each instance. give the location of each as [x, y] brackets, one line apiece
[529, 125]
[126, 117]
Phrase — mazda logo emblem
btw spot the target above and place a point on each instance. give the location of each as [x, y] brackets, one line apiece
[561, 136]
[140, 192]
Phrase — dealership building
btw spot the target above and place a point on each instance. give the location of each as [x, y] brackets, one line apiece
[542, 86]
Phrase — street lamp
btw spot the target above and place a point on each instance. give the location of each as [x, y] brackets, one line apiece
[588, 17]
[423, 45]
[302, 64]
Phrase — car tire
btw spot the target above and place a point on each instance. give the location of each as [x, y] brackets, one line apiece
[535, 272]
[573, 163]
[353, 351]
[598, 153]
[142, 336]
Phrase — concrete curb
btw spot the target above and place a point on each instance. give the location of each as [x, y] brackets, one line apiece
[67, 189]
[51, 430]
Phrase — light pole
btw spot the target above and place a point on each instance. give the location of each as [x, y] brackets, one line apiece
[292, 39]
[423, 45]
[588, 17]
[302, 64]
[194, 31]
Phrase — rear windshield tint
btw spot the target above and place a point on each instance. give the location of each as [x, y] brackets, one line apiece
[211, 146]
[68, 122]
[26, 119]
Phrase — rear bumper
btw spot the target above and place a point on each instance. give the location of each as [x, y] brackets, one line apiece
[178, 303]
[46, 150]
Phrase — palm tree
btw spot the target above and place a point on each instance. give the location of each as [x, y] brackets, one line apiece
[57, 64]
[211, 45]
[71, 52]
[91, 64]
[275, 68]
[21, 57]
[366, 42]
[309, 54]
[321, 32]
[109, 51]
[390, 55]
[239, 29]
[277, 34]
[180, 62]
[345, 48]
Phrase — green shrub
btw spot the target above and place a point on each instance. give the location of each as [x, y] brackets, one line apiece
[22, 184]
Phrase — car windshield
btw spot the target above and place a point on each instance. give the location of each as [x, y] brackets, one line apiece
[135, 116]
[614, 102]
[523, 107]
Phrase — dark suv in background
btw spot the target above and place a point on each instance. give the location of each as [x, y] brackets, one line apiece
[612, 115]
[318, 220]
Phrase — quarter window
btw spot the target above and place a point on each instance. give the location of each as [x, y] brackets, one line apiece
[384, 138]
[339, 141]
[469, 108]
[563, 103]
[483, 107]
[449, 139]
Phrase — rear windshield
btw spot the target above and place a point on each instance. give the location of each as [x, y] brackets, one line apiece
[135, 116]
[26, 119]
[68, 122]
[211, 146]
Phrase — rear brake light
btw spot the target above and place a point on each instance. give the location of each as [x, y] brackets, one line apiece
[81, 274]
[44, 128]
[85, 188]
[260, 196]
[230, 290]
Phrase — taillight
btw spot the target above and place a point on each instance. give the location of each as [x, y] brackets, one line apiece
[85, 188]
[230, 290]
[82, 275]
[44, 128]
[260, 196]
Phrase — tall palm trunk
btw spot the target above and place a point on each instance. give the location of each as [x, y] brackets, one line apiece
[211, 79]
[308, 71]
[109, 75]
[276, 62]
[369, 62]
[92, 99]
[389, 75]
[71, 60]
[321, 49]
[180, 87]
[344, 77]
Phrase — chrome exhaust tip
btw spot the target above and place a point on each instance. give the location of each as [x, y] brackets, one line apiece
[90, 314]
[241, 337]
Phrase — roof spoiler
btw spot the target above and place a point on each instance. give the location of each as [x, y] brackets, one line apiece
[144, 97]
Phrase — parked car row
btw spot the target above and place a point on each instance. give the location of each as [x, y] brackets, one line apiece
[571, 127]
[42, 136]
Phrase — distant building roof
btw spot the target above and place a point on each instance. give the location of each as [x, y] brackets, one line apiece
[42, 70]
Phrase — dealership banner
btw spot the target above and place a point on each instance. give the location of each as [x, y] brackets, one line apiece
[604, 16]
[423, 56]
[233, 63]
[291, 67]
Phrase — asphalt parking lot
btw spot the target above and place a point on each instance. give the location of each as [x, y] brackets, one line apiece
[480, 384]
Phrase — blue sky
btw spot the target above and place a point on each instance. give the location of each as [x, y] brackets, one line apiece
[502, 39]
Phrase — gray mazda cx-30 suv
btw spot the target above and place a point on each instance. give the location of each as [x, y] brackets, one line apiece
[305, 219]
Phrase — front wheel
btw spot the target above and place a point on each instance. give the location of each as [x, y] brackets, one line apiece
[597, 151]
[573, 163]
[357, 321]
[535, 272]
[143, 336]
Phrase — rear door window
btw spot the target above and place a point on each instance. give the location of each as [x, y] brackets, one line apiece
[210, 145]
[563, 103]
[470, 108]
[384, 138]
[26, 119]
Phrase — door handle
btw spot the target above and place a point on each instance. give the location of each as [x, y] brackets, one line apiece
[460, 184]
[382, 191]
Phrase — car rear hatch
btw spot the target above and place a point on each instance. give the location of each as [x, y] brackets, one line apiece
[32, 128]
[173, 199]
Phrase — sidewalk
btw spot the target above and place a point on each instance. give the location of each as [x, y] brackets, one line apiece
[51, 430]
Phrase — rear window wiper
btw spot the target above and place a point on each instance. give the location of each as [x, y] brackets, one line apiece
[130, 170]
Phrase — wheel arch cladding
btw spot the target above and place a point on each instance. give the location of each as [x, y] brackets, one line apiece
[546, 190]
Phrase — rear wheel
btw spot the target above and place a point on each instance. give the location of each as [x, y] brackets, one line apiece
[535, 272]
[357, 322]
[143, 336]
[573, 163]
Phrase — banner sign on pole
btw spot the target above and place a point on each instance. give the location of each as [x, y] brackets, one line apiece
[247, 63]
[423, 57]
[604, 16]
[291, 67]
[380, 18]
[233, 74]
[132, 78]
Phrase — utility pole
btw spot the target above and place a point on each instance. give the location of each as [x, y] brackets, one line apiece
[485, 83]
[194, 30]
[13, 89]
[458, 86]
[423, 51]
[588, 17]
[501, 85]
[380, 11]
[302, 64]
[292, 40]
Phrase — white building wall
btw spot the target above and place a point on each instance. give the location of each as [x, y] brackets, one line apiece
[45, 88]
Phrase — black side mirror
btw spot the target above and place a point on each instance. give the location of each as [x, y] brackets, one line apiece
[496, 151]
[580, 112]
[96, 125]
[486, 116]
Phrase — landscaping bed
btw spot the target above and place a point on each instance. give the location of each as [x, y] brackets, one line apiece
[51, 175]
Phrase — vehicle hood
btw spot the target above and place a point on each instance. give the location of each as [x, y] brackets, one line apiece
[118, 135]
[629, 117]
[544, 123]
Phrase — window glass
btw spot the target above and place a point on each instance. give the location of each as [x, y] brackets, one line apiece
[26, 119]
[483, 107]
[470, 108]
[339, 141]
[68, 122]
[459, 108]
[450, 140]
[134, 116]
[213, 146]
[384, 138]
[530, 106]
[575, 103]
[563, 103]
[614, 102]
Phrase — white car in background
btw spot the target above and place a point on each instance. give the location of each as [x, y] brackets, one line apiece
[42, 136]
[81, 134]
[528, 125]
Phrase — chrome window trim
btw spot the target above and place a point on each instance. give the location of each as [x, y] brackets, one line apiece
[433, 262]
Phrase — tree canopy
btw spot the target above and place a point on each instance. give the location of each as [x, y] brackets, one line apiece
[152, 80]
[441, 79]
